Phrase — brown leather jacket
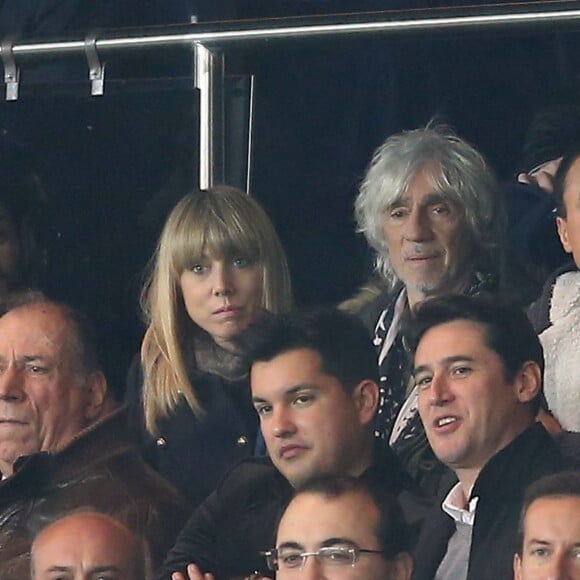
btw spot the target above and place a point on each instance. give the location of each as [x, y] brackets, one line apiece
[99, 470]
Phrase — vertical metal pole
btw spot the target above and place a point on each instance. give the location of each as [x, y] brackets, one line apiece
[209, 81]
[250, 156]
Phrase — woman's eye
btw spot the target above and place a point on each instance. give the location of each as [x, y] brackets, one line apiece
[241, 262]
[197, 269]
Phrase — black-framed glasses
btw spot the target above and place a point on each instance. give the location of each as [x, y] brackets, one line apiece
[291, 559]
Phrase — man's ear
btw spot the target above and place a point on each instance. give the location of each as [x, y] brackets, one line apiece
[96, 394]
[528, 381]
[562, 226]
[402, 566]
[366, 397]
[517, 567]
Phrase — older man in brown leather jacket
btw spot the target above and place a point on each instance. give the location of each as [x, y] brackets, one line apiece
[60, 449]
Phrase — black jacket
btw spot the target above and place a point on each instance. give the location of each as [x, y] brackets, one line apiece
[100, 470]
[195, 453]
[234, 524]
[500, 488]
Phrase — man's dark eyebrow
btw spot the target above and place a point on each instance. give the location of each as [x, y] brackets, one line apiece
[290, 545]
[292, 391]
[338, 542]
[458, 358]
[538, 542]
[420, 369]
[446, 361]
[258, 400]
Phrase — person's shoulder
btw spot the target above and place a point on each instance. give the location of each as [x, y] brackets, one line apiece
[251, 472]
[251, 484]
[533, 452]
[369, 301]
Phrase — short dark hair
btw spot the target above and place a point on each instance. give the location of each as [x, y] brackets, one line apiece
[508, 331]
[341, 340]
[84, 334]
[392, 531]
[560, 178]
[563, 484]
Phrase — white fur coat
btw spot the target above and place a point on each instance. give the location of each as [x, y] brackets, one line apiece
[561, 343]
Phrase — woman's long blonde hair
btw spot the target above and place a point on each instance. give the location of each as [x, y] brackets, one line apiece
[220, 222]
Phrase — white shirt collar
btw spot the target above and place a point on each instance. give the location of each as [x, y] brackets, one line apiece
[454, 506]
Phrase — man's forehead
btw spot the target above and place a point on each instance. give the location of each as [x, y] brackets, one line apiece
[290, 367]
[456, 330]
[41, 325]
[340, 519]
[548, 506]
[429, 194]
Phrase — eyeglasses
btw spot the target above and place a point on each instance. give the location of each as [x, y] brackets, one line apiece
[288, 559]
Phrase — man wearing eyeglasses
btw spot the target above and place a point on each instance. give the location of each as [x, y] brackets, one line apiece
[358, 533]
[313, 386]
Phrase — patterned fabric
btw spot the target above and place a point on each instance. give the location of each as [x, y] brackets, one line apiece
[393, 365]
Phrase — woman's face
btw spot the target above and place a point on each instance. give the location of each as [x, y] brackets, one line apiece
[9, 252]
[222, 296]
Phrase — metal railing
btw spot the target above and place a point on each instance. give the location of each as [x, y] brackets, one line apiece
[206, 40]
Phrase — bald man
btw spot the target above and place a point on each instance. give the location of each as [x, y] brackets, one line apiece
[87, 546]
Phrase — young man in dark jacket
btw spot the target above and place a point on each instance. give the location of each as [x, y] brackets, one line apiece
[478, 368]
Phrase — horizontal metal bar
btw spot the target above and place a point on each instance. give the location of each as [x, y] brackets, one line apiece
[387, 22]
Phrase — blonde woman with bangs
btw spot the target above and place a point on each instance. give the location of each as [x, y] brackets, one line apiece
[217, 264]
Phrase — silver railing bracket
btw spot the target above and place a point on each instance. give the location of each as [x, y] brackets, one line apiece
[11, 71]
[96, 67]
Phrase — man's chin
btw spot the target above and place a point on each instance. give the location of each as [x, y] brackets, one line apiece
[427, 288]
[438, 287]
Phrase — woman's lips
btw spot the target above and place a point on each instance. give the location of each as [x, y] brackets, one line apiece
[227, 310]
